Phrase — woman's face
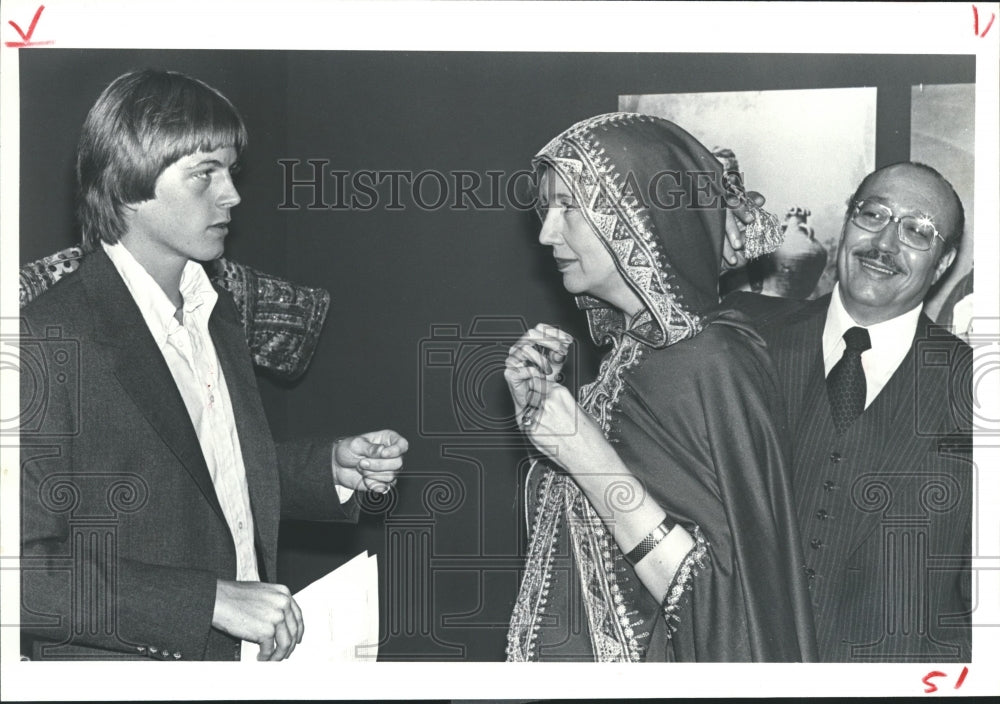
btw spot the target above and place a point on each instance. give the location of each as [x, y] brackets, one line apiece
[586, 266]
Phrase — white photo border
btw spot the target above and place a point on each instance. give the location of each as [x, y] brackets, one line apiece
[942, 28]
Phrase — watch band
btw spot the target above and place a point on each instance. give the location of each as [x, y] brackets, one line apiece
[647, 544]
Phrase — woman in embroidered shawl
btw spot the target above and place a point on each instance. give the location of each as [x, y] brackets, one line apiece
[671, 459]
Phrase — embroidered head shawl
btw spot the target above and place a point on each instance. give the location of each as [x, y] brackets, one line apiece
[655, 197]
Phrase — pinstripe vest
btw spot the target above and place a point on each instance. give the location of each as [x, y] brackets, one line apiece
[885, 510]
[832, 477]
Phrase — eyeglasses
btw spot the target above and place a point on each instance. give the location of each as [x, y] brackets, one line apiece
[915, 231]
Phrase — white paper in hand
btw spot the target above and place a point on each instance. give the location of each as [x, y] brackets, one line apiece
[340, 612]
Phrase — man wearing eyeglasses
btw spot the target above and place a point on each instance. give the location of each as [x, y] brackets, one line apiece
[879, 408]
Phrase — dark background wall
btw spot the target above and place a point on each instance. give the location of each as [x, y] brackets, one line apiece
[450, 540]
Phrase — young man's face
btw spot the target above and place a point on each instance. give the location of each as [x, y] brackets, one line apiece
[188, 217]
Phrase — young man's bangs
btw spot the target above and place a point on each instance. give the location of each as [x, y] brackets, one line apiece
[206, 139]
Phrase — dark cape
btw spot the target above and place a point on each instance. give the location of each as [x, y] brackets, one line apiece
[694, 422]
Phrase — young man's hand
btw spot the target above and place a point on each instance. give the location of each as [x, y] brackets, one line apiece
[259, 612]
[370, 461]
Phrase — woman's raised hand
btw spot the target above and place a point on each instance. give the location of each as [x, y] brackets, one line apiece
[534, 365]
[561, 430]
[737, 218]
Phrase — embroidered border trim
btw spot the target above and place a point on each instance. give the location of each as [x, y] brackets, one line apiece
[532, 597]
[600, 397]
[682, 580]
[611, 633]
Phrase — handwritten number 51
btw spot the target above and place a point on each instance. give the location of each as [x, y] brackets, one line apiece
[931, 687]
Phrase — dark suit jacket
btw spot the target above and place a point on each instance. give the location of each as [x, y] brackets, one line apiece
[897, 577]
[123, 537]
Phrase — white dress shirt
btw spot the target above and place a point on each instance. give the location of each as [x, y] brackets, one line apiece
[189, 353]
[891, 341]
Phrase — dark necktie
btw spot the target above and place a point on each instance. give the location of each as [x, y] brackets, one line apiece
[845, 385]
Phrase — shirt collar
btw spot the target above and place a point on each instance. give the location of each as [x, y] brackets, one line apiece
[890, 335]
[157, 310]
[197, 290]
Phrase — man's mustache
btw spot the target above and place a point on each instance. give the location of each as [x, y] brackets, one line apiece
[881, 258]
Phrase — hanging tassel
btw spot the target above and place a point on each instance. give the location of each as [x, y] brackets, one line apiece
[763, 234]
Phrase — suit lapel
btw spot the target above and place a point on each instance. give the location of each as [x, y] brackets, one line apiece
[140, 368]
[797, 352]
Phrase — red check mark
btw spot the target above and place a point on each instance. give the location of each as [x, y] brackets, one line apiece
[26, 36]
[975, 27]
